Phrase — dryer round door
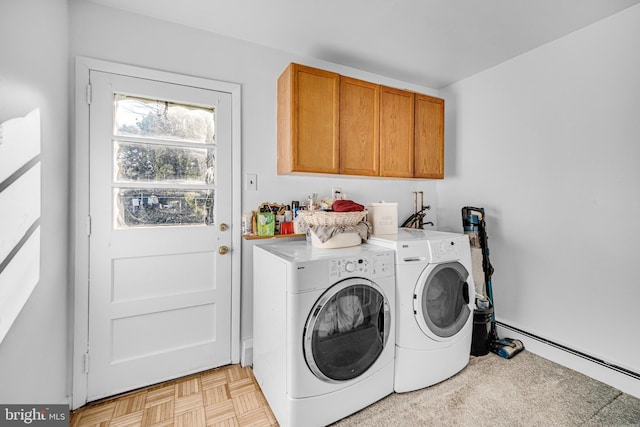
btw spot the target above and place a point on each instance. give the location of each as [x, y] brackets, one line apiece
[346, 330]
[441, 300]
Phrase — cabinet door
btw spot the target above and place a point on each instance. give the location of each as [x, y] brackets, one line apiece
[308, 120]
[429, 137]
[396, 132]
[359, 130]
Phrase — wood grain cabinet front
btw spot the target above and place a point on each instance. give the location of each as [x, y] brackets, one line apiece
[308, 129]
[429, 137]
[396, 132]
[359, 127]
[334, 124]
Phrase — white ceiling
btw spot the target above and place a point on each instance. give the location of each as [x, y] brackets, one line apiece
[430, 43]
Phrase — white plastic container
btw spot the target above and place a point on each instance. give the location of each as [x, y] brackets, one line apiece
[341, 240]
[383, 217]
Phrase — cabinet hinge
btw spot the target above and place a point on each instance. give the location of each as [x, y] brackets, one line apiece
[89, 94]
[89, 225]
[86, 362]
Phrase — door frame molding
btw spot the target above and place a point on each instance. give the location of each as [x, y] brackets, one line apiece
[79, 241]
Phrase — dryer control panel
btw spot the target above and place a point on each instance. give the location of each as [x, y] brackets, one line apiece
[444, 250]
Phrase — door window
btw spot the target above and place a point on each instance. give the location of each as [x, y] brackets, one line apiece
[347, 330]
[164, 163]
[444, 299]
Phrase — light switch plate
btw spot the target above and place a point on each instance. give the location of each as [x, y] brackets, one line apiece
[251, 182]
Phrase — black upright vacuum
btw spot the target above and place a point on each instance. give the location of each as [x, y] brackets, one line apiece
[485, 336]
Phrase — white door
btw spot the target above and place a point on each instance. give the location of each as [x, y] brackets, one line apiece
[160, 200]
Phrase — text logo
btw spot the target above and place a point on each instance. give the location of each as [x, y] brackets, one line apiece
[34, 415]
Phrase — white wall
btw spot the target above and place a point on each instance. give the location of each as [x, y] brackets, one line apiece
[34, 73]
[549, 144]
[117, 36]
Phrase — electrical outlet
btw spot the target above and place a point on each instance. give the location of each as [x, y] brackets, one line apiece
[251, 182]
[336, 193]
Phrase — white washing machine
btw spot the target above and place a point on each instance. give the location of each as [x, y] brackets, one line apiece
[323, 328]
[434, 305]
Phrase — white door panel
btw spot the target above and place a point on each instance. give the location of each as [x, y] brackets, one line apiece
[160, 293]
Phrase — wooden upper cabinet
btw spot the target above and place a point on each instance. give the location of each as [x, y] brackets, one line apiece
[359, 130]
[334, 124]
[429, 137]
[396, 132]
[308, 111]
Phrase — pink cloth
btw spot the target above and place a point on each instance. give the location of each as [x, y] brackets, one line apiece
[346, 206]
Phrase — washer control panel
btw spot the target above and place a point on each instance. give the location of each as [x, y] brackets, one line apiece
[350, 267]
[382, 264]
[379, 264]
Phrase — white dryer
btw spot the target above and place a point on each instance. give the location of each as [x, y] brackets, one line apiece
[323, 327]
[434, 305]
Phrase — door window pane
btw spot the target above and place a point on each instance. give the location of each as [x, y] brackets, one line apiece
[159, 119]
[163, 163]
[138, 162]
[143, 207]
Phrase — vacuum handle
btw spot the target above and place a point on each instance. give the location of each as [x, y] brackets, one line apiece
[470, 209]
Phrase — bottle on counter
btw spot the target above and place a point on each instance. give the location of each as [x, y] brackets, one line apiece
[288, 214]
[247, 223]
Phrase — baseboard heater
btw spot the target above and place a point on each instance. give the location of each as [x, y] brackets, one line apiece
[590, 358]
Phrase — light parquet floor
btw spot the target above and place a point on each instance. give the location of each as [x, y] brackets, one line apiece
[223, 397]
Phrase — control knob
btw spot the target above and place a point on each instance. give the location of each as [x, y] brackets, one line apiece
[349, 267]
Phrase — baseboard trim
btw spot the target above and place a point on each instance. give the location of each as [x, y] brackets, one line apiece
[246, 353]
[608, 373]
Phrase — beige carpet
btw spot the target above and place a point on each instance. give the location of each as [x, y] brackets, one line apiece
[491, 391]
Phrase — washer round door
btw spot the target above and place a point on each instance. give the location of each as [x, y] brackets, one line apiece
[441, 300]
[347, 330]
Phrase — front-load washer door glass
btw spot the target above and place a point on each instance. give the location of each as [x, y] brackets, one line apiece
[347, 330]
[441, 300]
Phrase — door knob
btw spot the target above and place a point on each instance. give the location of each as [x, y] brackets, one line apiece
[223, 227]
[223, 250]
